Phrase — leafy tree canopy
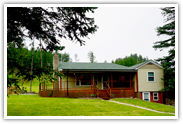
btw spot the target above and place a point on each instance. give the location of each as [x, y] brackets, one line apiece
[64, 57]
[131, 60]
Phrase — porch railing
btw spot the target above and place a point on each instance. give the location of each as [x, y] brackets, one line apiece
[95, 89]
[108, 89]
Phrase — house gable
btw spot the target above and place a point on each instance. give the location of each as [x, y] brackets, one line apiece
[150, 66]
[150, 62]
[156, 83]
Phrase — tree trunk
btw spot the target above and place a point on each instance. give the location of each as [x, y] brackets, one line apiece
[22, 77]
[41, 53]
[15, 72]
[32, 65]
[43, 85]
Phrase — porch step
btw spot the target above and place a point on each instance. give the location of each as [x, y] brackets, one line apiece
[104, 95]
[105, 98]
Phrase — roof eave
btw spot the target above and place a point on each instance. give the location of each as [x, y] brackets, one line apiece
[147, 63]
[100, 70]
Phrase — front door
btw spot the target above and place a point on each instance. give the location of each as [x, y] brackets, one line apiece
[105, 78]
[103, 85]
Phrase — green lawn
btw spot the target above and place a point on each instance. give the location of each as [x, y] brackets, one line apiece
[35, 85]
[151, 105]
[33, 105]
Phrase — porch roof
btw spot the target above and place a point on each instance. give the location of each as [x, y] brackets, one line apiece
[81, 66]
[91, 66]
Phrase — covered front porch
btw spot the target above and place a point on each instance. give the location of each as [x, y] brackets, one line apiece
[104, 85]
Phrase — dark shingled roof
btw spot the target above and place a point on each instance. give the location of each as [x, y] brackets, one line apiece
[90, 66]
[99, 66]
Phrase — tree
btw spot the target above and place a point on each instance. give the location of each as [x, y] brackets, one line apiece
[168, 62]
[50, 25]
[40, 46]
[131, 60]
[64, 57]
[76, 57]
[32, 64]
[91, 57]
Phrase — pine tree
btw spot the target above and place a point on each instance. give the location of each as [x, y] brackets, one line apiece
[76, 57]
[49, 24]
[168, 62]
[91, 57]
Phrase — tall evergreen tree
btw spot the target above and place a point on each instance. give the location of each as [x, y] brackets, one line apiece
[91, 57]
[49, 24]
[168, 62]
[76, 57]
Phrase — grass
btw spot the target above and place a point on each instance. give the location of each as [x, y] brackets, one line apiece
[151, 105]
[35, 84]
[33, 105]
[26, 84]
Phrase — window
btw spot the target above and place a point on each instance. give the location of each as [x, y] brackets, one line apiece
[155, 96]
[146, 96]
[77, 80]
[150, 76]
[86, 80]
[82, 80]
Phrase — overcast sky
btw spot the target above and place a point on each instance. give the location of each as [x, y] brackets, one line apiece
[122, 31]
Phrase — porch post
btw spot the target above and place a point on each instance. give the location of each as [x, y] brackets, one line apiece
[130, 82]
[111, 81]
[53, 85]
[64, 88]
[67, 85]
[55, 67]
[39, 87]
[60, 83]
[91, 80]
[137, 81]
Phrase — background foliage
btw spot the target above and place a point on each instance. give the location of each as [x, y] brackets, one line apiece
[50, 25]
[168, 62]
[131, 60]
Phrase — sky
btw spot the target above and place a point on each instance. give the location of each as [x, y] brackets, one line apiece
[122, 31]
